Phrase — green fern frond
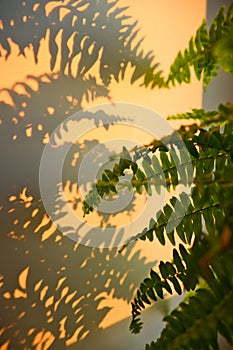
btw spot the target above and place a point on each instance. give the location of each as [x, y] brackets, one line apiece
[200, 53]
[161, 169]
[196, 114]
[196, 323]
[224, 52]
[204, 259]
[164, 168]
[204, 53]
[186, 221]
[175, 275]
[209, 206]
[208, 118]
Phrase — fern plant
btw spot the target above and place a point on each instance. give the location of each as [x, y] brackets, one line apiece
[203, 262]
[203, 54]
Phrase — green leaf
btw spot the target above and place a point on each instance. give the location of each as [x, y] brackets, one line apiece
[159, 290]
[145, 299]
[171, 237]
[166, 286]
[178, 261]
[148, 170]
[184, 253]
[134, 167]
[181, 233]
[124, 164]
[152, 294]
[155, 277]
[125, 154]
[163, 269]
[104, 178]
[156, 164]
[165, 160]
[170, 268]
[176, 284]
[160, 235]
[140, 175]
[111, 175]
[192, 149]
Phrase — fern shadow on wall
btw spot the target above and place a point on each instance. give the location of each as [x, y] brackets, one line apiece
[50, 296]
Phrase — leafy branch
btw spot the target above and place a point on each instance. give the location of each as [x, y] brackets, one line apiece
[196, 323]
[204, 52]
[201, 220]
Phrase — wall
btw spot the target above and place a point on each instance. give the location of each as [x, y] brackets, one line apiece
[56, 293]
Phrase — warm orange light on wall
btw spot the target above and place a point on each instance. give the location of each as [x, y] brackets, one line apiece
[167, 26]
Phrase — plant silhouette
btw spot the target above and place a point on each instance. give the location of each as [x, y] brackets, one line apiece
[202, 219]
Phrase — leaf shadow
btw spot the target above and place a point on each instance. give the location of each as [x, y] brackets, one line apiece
[52, 287]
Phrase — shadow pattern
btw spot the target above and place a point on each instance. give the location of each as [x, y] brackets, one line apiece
[51, 288]
[88, 32]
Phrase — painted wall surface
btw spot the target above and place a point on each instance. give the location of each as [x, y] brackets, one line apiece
[56, 293]
[220, 90]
